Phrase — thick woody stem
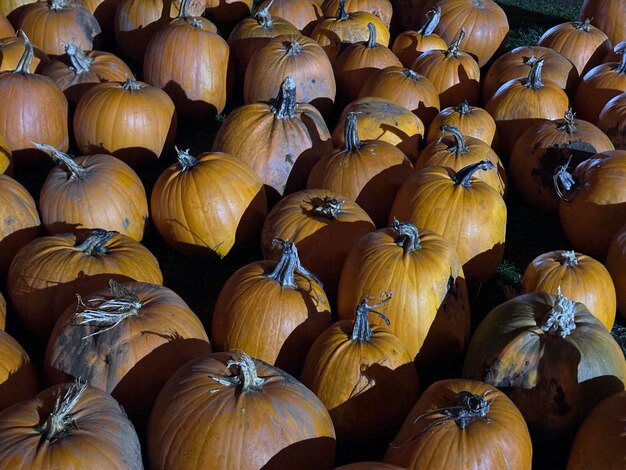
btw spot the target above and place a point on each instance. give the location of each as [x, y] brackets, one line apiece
[93, 245]
[568, 258]
[464, 175]
[408, 235]
[620, 48]
[453, 49]
[371, 41]
[131, 84]
[288, 265]
[23, 66]
[284, 106]
[459, 139]
[351, 133]
[81, 63]
[562, 178]
[584, 25]
[327, 206]
[560, 320]
[342, 14]
[534, 76]
[60, 421]
[292, 48]
[263, 16]
[432, 20]
[185, 159]
[569, 123]
[59, 4]
[464, 108]
[75, 170]
[362, 331]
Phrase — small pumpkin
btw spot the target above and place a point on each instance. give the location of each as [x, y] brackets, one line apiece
[616, 265]
[470, 120]
[18, 376]
[410, 44]
[612, 120]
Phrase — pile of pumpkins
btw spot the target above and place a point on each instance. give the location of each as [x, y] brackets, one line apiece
[368, 148]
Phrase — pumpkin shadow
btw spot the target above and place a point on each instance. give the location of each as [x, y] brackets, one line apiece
[21, 384]
[185, 106]
[466, 89]
[228, 11]
[320, 452]
[408, 144]
[11, 244]
[481, 267]
[426, 113]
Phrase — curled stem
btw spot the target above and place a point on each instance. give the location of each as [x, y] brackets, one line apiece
[432, 20]
[75, 170]
[408, 235]
[288, 265]
[562, 178]
[93, 245]
[185, 159]
[362, 331]
[459, 140]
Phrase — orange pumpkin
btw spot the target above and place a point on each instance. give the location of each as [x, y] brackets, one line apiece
[470, 120]
[18, 377]
[608, 15]
[208, 204]
[9, 6]
[3, 312]
[6, 30]
[383, 9]
[104, 12]
[616, 265]
[303, 14]
[11, 51]
[409, 44]
[612, 120]
[273, 309]
[6, 159]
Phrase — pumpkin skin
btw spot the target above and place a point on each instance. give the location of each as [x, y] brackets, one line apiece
[104, 12]
[380, 8]
[315, 218]
[470, 213]
[33, 110]
[592, 215]
[428, 436]
[274, 309]
[155, 334]
[208, 204]
[470, 120]
[405, 88]
[516, 64]
[546, 145]
[369, 172]
[382, 119]
[77, 71]
[410, 44]
[141, 122]
[6, 159]
[3, 312]
[280, 412]
[455, 74]
[581, 278]
[52, 24]
[485, 22]
[369, 466]
[6, 30]
[430, 311]
[18, 377]
[280, 139]
[46, 274]
[608, 16]
[354, 368]
[599, 441]
[615, 264]
[95, 432]
[555, 373]
[9, 6]
[19, 221]
[580, 42]
[612, 120]
[94, 191]
[299, 57]
[12, 49]
[303, 14]
[189, 60]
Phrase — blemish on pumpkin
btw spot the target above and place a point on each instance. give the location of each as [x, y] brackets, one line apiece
[126, 223]
[562, 407]
[9, 221]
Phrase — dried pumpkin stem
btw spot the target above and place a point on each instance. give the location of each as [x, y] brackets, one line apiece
[371, 41]
[93, 245]
[284, 106]
[432, 20]
[408, 235]
[351, 133]
[81, 63]
[362, 331]
[59, 4]
[464, 108]
[619, 49]
[534, 76]
[327, 206]
[246, 378]
[560, 320]
[23, 66]
[583, 25]
[131, 84]
[459, 140]
[75, 170]
[454, 48]
[569, 122]
[562, 178]
[288, 265]
[60, 421]
[263, 16]
[342, 14]
[292, 48]
[411, 74]
[464, 175]
[106, 314]
[568, 258]
[185, 159]
[183, 11]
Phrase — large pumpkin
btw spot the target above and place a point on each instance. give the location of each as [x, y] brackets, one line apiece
[207, 204]
[616, 265]
[410, 44]
[608, 15]
[18, 377]
[303, 14]
[470, 120]
[127, 340]
[612, 120]
[460, 423]
[9, 6]
[269, 419]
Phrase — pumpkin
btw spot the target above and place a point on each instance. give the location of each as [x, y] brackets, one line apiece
[312, 219]
[298, 56]
[457, 151]
[189, 60]
[598, 442]
[270, 419]
[460, 207]
[405, 88]
[9, 6]
[94, 191]
[252, 33]
[545, 146]
[612, 120]
[6, 30]
[369, 466]
[54, 23]
[33, 110]
[599, 85]
[430, 310]
[127, 340]
[141, 122]
[3, 312]
[356, 64]
[354, 369]
[273, 309]
[18, 377]
[380, 8]
[12, 49]
[280, 139]
[593, 205]
[19, 221]
[382, 119]
[228, 11]
[303, 14]
[517, 63]
[69, 425]
[6, 159]
[616, 265]
[334, 34]
[104, 12]
[583, 44]
[466, 424]
[522, 101]
[77, 71]
[552, 358]
[410, 44]
[485, 23]
[207, 204]
[608, 15]
[47, 273]
[455, 74]
[369, 173]
[580, 277]
[470, 120]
